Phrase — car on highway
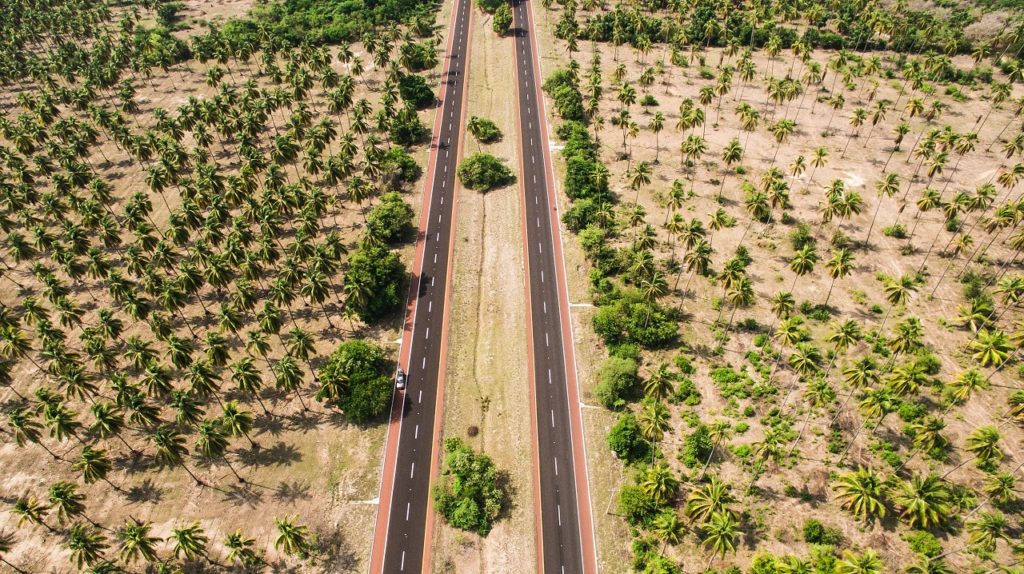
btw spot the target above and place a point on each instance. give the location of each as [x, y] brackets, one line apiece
[400, 380]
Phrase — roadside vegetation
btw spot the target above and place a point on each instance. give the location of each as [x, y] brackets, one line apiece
[471, 497]
[484, 172]
[801, 229]
[204, 247]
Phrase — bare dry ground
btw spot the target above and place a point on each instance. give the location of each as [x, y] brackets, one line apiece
[487, 380]
[312, 465]
[775, 518]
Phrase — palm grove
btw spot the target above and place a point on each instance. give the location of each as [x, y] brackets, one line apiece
[172, 278]
[802, 225]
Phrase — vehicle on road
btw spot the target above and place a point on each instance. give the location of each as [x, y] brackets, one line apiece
[400, 380]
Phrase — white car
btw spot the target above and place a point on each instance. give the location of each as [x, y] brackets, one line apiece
[400, 380]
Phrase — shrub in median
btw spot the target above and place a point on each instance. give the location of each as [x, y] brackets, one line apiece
[484, 172]
[483, 129]
[470, 497]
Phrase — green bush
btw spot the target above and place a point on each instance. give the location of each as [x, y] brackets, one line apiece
[636, 505]
[407, 129]
[398, 167]
[418, 56]
[817, 533]
[686, 393]
[414, 90]
[617, 382]
[626, 440]
[391, 219]
[631, 319]
[502, 22]
[696, 447]
[470, 496]
[923, 542]
[483, 129]
[566, 94]
[374, 279]
[484, 172]
[357, 379]
[491, 6]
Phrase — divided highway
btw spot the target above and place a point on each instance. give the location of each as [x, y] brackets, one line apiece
[565, 534]
[402, 532]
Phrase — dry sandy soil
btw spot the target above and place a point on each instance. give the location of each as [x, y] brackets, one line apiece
[772, 513]
[487, 380]
[312, 465]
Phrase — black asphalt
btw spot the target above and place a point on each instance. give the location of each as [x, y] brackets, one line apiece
[560, 527]
[407, 520]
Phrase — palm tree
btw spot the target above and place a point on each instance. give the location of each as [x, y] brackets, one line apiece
[839, 266]
[189, 541]
[659, 385]
[86, 545]
[212, 442]
[866, 563]
[991, 347]
[924, 501]
[720, 535]
[986, 530]
[660, 483]
[292, 538]
[862, 492]
[710, 499]
[238, 422]
[94, 464]
[170, 449]
[136, 542]
[656, 125]
[886, 187]
[983, 443]
[240, 549]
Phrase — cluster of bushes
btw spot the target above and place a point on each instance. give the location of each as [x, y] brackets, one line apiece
[471, 497]
[563, 87]
[357, 379]
[399, 168]
[391, 219]
[626, 317]
[484, 172]
[407, 128]
[316, 22]
[414, 90]
[374, 279]
[627, 441]
[418, 56]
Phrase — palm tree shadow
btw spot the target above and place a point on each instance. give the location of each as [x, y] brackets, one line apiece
[291, 492]
[145, 492]
[334, 554]
[243, 495]
[281, 454]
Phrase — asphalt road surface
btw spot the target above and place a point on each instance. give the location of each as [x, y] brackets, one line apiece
[562, 546]
[407, 515]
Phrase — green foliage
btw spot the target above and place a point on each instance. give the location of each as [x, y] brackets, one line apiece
[398, 167]
[566, 94]
[502, 22]
[167, 13]
[470, 498]
[636, 505]
[923, 542]
[629, 318]
[315, 22]
[414, 90]
[686, 393]
[376, 274]
[391, 219]
[407, 128]
[696, 447]
[484, 172]
[483, 129]
[617, 382]
[491, 6]
[817, 533]
[361, 371]
[626, 440]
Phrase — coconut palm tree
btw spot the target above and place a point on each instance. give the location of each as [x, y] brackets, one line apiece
[720, 535]
[839, 266]
[136, 542]
[986, 530]
[240, 549]
[86, 545]
[660, 483]
[292, 538]
[713, 497]
[171, 450]
[866, 563]
[189, 541]
[923, 501]
[862, 492]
